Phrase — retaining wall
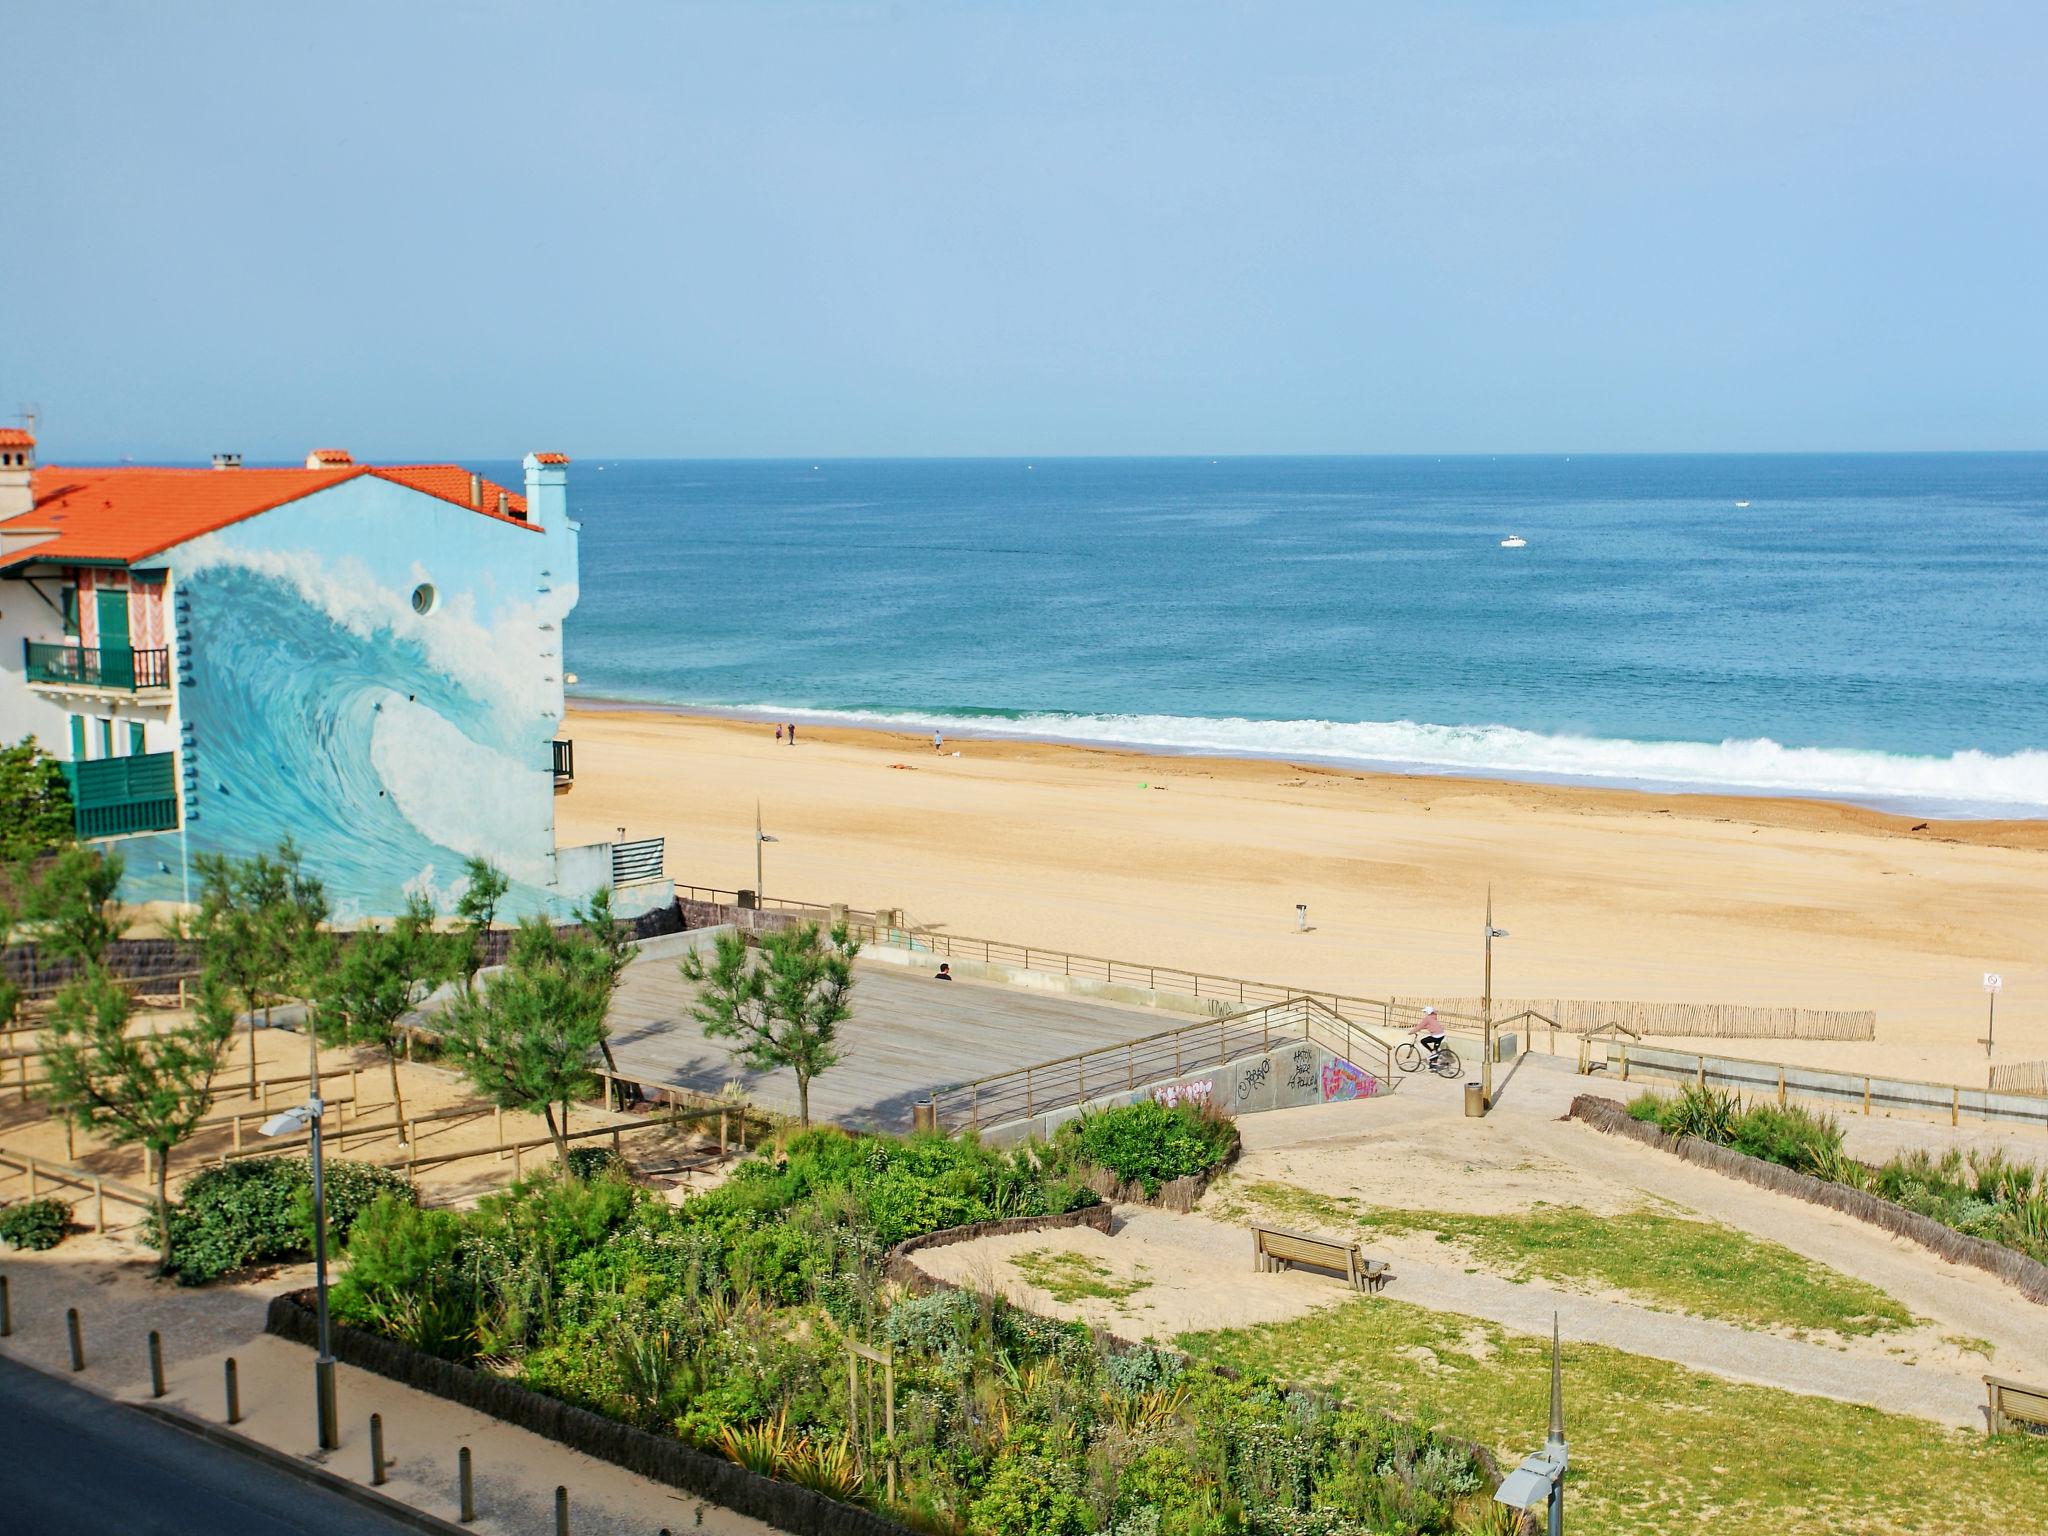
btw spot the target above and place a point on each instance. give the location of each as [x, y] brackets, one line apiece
[1286, 1077]
[1054, 982]
[1854, 1089]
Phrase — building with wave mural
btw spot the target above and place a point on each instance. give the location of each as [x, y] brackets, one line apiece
[367, 658]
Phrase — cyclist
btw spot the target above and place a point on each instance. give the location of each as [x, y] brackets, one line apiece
[1431, 1032]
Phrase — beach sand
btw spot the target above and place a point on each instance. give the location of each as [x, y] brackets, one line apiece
[1198, 862]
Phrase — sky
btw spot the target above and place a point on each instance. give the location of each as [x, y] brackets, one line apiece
[448, 230]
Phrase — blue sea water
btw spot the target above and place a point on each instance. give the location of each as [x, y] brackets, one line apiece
[1873, 627]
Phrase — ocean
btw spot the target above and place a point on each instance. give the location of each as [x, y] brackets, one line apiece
[1869, 627]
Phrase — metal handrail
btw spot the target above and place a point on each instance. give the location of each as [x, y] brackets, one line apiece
[1062, 1080]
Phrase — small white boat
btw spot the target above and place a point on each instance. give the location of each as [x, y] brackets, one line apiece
[1514, 541]
[1742, 503]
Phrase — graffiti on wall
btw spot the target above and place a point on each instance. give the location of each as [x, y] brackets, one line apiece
[1250, 1079]
[1341, 1080]
[1185, 1093]
[1304, 1073]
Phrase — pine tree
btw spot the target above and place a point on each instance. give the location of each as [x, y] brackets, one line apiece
[149, 1087]
[477, 907]
[527, 1037]
[375, 979]
[782, 1004]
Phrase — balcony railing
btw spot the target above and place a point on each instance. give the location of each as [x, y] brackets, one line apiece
[565, 763]
[76, 666]
[119, 795]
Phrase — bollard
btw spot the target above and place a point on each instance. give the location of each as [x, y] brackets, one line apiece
[156, 1363]
[561, 1510]
[6, 1310]
[77, 1343]
[376, 1450]
[234, 1393]
[466, 1485]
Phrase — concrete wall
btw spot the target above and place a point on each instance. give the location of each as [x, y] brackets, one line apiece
[1052, 981]
[1286, 1077]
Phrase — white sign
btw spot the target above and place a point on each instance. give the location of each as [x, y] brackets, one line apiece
[1993, 981]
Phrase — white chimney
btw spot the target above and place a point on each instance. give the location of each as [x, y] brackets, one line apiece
[547, 491]
[227, 461]
[17, 471]
[329, 458]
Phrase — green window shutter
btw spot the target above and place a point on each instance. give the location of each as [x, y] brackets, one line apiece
[135, 738]
[78, 738]
[69, 600]
[106, 738]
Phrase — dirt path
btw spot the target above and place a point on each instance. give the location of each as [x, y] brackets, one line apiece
[1162, 1275]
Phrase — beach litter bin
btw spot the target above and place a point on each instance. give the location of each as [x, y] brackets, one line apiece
[1475, 1101]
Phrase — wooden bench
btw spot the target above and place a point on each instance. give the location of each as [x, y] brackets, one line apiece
[1275, 1248]
[2016, 1408]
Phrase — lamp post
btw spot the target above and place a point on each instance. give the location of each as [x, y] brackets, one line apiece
[304, 1117]
[1486, 1007]
[1992, 982]
[760, 837]
[1539, 1480]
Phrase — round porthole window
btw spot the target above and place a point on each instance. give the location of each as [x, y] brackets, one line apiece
[424, 598]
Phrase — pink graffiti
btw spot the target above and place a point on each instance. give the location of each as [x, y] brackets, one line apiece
[1185, 1093]
[1341, 1080]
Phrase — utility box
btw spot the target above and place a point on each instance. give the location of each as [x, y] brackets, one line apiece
[747, 901]
[1475, 1101]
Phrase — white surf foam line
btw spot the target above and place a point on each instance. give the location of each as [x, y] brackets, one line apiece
[1964, 784]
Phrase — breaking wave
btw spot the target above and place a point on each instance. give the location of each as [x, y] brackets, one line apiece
[1969, 783]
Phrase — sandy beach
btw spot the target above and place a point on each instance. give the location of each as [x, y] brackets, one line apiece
[1199, 862]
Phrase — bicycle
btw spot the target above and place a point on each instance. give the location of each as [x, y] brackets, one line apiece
[1409, 1058]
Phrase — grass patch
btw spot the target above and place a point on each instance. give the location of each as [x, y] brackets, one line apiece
[1656, 1447]
[1069, 1277]
[1672, 1262]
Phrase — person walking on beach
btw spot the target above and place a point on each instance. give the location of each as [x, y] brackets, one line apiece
[778, 733]
[792, 733]
[938, 742]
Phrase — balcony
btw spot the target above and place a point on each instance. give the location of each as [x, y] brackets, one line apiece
[565, 763]
[119, 795]
[118, 670]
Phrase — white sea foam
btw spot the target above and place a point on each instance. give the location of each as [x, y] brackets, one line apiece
[1963, 784]
[440, 780]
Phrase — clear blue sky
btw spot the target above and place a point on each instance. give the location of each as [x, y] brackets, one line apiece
[448, 230]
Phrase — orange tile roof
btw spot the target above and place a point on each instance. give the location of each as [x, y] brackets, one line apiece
[551, 458]
[127, 514]
[326, 456]
[14, 437]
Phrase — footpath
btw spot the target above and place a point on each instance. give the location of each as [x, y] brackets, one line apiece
[516, 1473]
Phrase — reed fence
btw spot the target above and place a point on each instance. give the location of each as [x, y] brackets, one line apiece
[1722, 1021]
[2030, 1077]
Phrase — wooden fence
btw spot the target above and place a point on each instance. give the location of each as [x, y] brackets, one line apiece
[1719, 1021]
[2020, 1077]
[41, 1171]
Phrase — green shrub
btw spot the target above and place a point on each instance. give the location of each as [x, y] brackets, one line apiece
[1648, 1108]
[34, 1224]
[1792, 1137]
[1706, 1113]
[248, 1212]
[403, 1279]
[1149, 1143]
[1031, 1492]
[595, 1163]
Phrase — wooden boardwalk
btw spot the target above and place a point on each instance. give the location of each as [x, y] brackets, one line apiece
[908, 1034]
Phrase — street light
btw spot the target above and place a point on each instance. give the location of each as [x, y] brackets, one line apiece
[1486, 1007]
[760, 837]
[1538, 1483]
[306, 1117]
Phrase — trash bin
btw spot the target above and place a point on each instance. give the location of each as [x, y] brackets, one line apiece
[1475, 1100]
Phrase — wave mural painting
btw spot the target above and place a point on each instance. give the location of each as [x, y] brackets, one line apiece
[365, 660]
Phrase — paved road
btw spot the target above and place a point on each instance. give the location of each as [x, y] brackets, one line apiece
[79, 1465]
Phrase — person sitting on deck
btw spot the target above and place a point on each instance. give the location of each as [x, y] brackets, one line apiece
[945, 972]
